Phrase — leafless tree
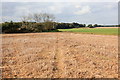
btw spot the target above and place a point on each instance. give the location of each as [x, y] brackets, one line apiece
[27, 18]
[37, 17]
[43, 17]
[24, 18]
[47, 17]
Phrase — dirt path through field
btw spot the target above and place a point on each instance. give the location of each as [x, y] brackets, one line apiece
[59, 55]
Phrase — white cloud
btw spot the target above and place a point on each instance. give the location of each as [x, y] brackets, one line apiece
[55, 9]
[83, 10]
[22, 10]
[64, 11]
[109, 6]
[77, 6]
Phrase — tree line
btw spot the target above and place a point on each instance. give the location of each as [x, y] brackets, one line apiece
[38, 22]
[41, 22]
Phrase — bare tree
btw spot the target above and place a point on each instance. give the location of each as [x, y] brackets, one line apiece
[27, 18]
[43, 17]
[47, 17]
[37, 17]
[24, 18]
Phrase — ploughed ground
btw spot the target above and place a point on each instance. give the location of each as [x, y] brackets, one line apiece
[59, 55]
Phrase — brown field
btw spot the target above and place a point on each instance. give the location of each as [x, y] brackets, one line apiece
[59, 55]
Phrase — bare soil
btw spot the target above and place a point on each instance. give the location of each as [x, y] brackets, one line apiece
[59, 55]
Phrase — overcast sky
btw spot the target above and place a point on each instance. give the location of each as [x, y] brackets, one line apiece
[81, 12]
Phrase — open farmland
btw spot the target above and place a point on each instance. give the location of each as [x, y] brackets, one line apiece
[98, 30]
[59, 55]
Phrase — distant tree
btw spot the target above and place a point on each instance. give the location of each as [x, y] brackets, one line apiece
[42, 17]
[81, 25]
[95, 25]
[48, 20]
[47, 17]
[76, 25]
[37, 17]
[10, 27]
[24, 18]
[84, 25]
[90, 26]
